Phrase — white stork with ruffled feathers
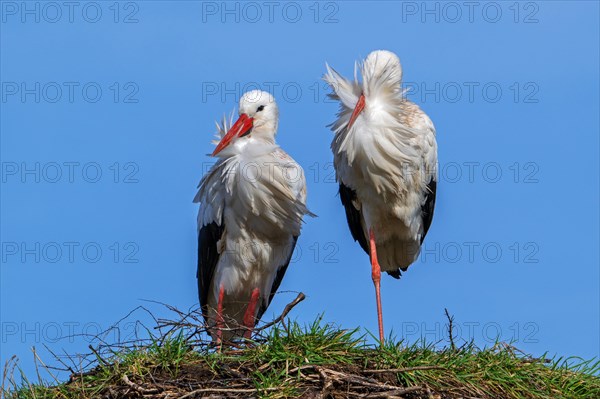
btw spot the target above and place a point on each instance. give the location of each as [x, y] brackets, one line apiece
[252, 202]
[385, 157]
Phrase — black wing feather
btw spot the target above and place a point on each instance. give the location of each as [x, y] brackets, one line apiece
[354, 217]
[277, 282]
[208, 257]
[427, 207]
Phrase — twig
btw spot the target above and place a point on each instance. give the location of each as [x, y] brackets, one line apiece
[404, 370]
[137, 387]
[44, 365]
[327, 383]
[285, 312]
[71, 358]
[57, 358]
[225, 390]
[357, 379]
[5, 372]
[388, 394]
[450, 328]
[304, 367]
[37, 368]
[98, 355]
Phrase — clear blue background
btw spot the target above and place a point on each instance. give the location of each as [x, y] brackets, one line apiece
[545, 296]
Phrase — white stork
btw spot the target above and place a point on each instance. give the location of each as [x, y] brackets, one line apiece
[252, 202]
[385, 157]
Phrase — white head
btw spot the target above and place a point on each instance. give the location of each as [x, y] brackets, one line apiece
[382, 76]
[382, 64]
[258, 116]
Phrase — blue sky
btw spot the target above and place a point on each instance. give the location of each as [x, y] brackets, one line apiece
[108, 113]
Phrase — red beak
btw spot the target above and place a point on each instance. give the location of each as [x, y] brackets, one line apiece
[239, 128]
[358, 108]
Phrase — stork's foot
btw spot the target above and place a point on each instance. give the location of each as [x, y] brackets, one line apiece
[250, 315]
[376, 276]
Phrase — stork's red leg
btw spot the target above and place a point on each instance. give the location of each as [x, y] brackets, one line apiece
[376, 275]
[250, 312]
[220, 321]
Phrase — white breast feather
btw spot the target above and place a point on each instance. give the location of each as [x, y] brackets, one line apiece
[259, 192]
[390, 153]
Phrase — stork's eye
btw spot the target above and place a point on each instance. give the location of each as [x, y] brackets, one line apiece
[260, 108]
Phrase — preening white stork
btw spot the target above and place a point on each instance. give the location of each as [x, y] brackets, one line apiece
[385, 157]
[252, 202]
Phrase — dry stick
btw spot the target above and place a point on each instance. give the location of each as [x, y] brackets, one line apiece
[191, 314]
[357, 379]
[98, 355]
[388, 394]
[68, 368]
[306, 366]
[450, 327]
[137, 387]
[367, 381]
[115, 326]
[178, 324]
[285, 312]
[44, 365]
[404, 370]
[225, 390]
[71, 358]
[5, 372]
[37, 369]
[327, 382]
